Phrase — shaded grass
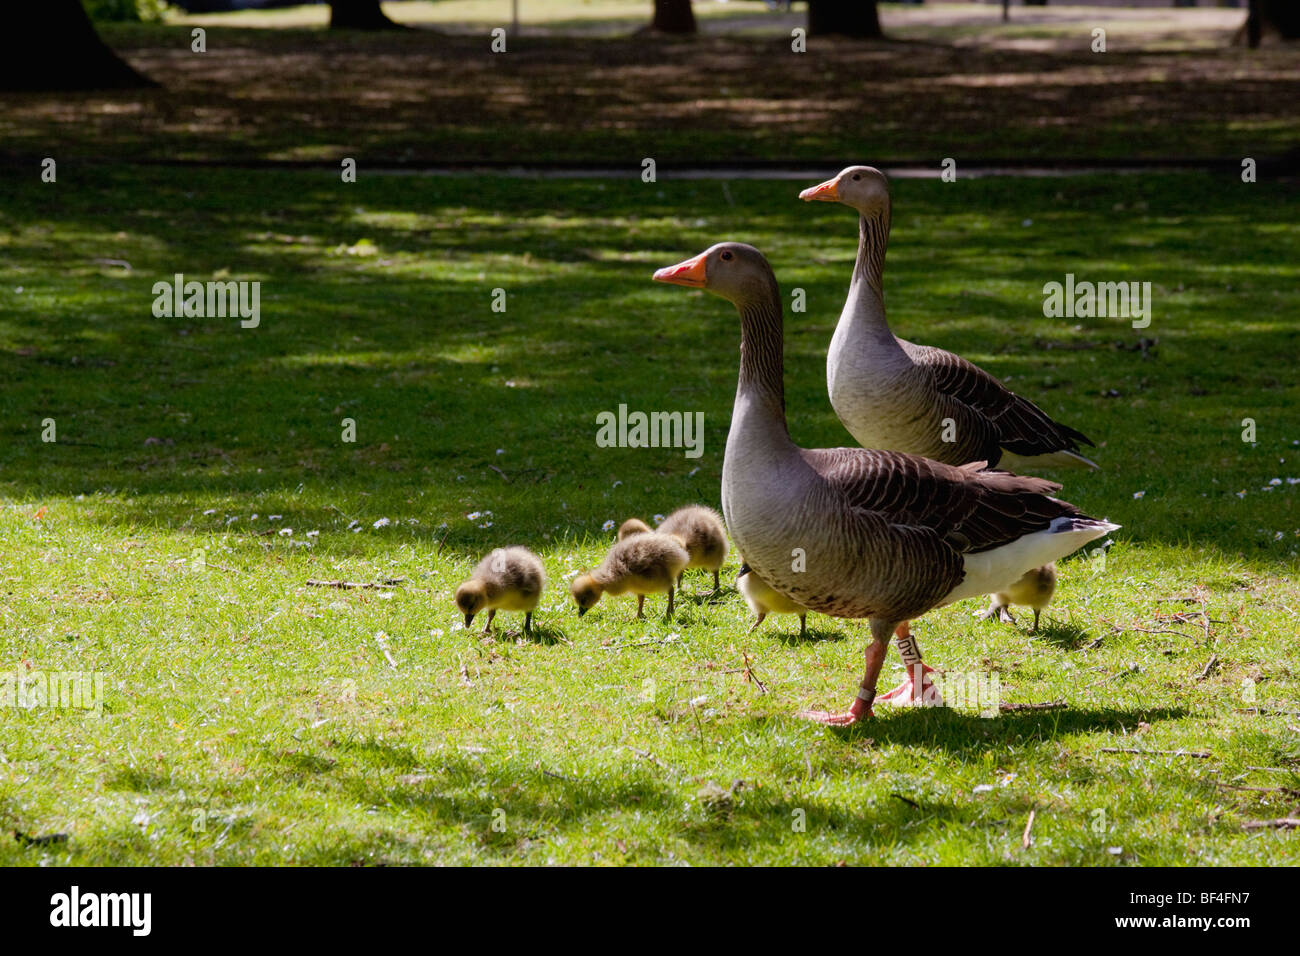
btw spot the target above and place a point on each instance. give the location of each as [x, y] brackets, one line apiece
[249, 718]
[307, 95]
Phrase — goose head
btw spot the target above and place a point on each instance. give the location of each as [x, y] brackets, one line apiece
[864, 188]
[471, 597]
[586, 591]
[733, 270]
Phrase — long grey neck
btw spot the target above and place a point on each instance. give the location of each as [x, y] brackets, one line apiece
[873, 240]
[762, 354]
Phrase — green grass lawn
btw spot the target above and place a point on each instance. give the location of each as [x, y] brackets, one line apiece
[250, 718]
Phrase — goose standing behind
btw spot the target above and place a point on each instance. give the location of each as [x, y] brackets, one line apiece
[893, 394]
[880, 535]
[508, 579]
[645, 563]
[762, 600]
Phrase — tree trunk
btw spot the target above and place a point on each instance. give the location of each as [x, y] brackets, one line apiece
[850, 18]
[673, 16]
[360, 15]
[52, 45]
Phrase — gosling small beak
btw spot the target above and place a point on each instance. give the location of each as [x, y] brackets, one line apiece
[825, 192]
[581, 611]
[689, 273]
[469, 619]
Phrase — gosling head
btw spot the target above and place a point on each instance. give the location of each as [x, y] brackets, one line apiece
[632, 526]
[586, 591]
[471, 597]
[733, 270]
[865, 188]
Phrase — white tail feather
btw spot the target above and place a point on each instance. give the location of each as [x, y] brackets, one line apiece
[995, 570]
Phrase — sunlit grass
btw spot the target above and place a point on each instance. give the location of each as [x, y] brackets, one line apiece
[199, 481]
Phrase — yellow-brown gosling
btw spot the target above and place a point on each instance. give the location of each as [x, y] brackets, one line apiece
[508, 579]
[1034, 589]
[704, 535]
[632, 526]
[762, 600]
[645, 563]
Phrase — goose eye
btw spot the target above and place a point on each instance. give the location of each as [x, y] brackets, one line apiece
[726, 257]
[856, 177]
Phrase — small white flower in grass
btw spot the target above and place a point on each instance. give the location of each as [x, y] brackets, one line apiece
[692, 473]
[1293, 481]
[658, 518]
[501, 451]
[607, 526]
[1114, 850]
[486, 524]
[436, 632]
[274, 517]
[232, 519]
[1026, 222]
[1241, 494]
[1277, 536]
[1139, 494]
[353, 523]
[381, 523]
[210, 511]
[1275, 481]
[984, 788]
[254, 518]
[285, 532]
[313, 534]
[616, 484]
[699, 701]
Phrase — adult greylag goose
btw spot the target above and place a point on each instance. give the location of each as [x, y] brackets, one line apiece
[644, 563]
[854, 533]
[890, 393]
[508, 579]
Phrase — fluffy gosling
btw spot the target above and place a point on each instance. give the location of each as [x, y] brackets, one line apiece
[1034, 589]
[762, 600]
[645, 563]
[508, 579]
[702, 531]
[632, 526]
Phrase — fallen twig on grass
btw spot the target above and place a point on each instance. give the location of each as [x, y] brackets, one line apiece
[362, 585]
[1025, 837]
[909, 802]
[1268, 710]
[1046, 705]
[1282, 823]
[1289, 791]
[1210, 665]
[557, 776]
[504, 476]
[1202, 754]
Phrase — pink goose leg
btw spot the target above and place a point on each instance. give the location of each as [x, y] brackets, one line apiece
[861, 707]
[917, 687]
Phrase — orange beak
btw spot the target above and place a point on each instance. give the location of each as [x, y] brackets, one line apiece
[689, 273]
[826, 192]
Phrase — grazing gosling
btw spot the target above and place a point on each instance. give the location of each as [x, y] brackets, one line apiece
[632, 526]
[704, 535]
[762, 600]
[508, 579]
[1034, 589]
[644, 563]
